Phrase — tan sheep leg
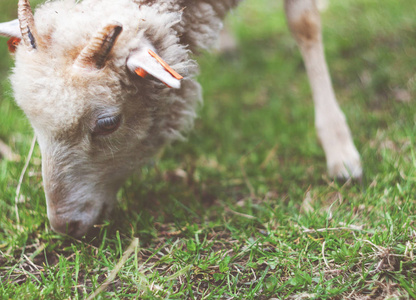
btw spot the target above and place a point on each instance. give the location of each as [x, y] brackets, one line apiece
[343, 159]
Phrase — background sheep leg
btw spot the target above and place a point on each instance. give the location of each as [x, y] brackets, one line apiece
[343, 159]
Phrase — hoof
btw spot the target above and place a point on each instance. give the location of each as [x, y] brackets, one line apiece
[346, 169]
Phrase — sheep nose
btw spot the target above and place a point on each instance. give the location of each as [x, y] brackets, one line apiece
[66, 227]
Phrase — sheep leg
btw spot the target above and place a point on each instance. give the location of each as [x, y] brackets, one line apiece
[343, 159]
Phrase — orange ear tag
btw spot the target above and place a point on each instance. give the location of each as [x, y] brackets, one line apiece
[165, 65]
[13, 43]
[142, 73]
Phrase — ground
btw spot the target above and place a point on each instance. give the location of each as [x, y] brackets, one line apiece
[244, 208]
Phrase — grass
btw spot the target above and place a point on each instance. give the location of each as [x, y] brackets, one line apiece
[244, 210]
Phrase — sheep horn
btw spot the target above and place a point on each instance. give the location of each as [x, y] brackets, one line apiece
[27, 25]
[96, 53]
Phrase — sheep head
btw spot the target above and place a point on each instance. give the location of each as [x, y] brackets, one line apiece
[95, 119]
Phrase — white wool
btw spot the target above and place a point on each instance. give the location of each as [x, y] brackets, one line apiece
[69, 25]
[63, 102]
[83, 168]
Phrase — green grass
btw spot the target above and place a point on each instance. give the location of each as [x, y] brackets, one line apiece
[244, 210]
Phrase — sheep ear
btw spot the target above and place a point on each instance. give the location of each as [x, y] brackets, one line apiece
[11, 29]
[146, 61]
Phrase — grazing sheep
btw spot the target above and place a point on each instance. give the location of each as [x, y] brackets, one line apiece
[80, 77]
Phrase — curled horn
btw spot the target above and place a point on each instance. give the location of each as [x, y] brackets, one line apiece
[96, 53]
[27, 25]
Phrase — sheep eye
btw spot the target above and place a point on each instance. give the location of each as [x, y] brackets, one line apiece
[107, 125]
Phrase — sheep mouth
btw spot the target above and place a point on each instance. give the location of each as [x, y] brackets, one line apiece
[95, 228]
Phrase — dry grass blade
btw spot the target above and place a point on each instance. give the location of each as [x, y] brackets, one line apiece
[306, 206]
[134, 244]
[323, 255]
[239, 214]
[356, 228]
[22, 175]
[7, 152]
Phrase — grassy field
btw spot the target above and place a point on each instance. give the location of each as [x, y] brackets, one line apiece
[244, 210]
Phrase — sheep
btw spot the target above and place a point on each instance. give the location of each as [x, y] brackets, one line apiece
[106, 84]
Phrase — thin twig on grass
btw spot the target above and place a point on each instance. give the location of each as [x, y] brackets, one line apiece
[239, 214]
[7, 152]
[323, 255]
[134, 244]
[331, 229]
[30, 262]
[379, 248]
[179, 273]
[19, 185]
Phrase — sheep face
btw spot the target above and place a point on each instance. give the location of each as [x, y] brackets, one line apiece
[95, 119]
[91, 130]
[89, 136]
